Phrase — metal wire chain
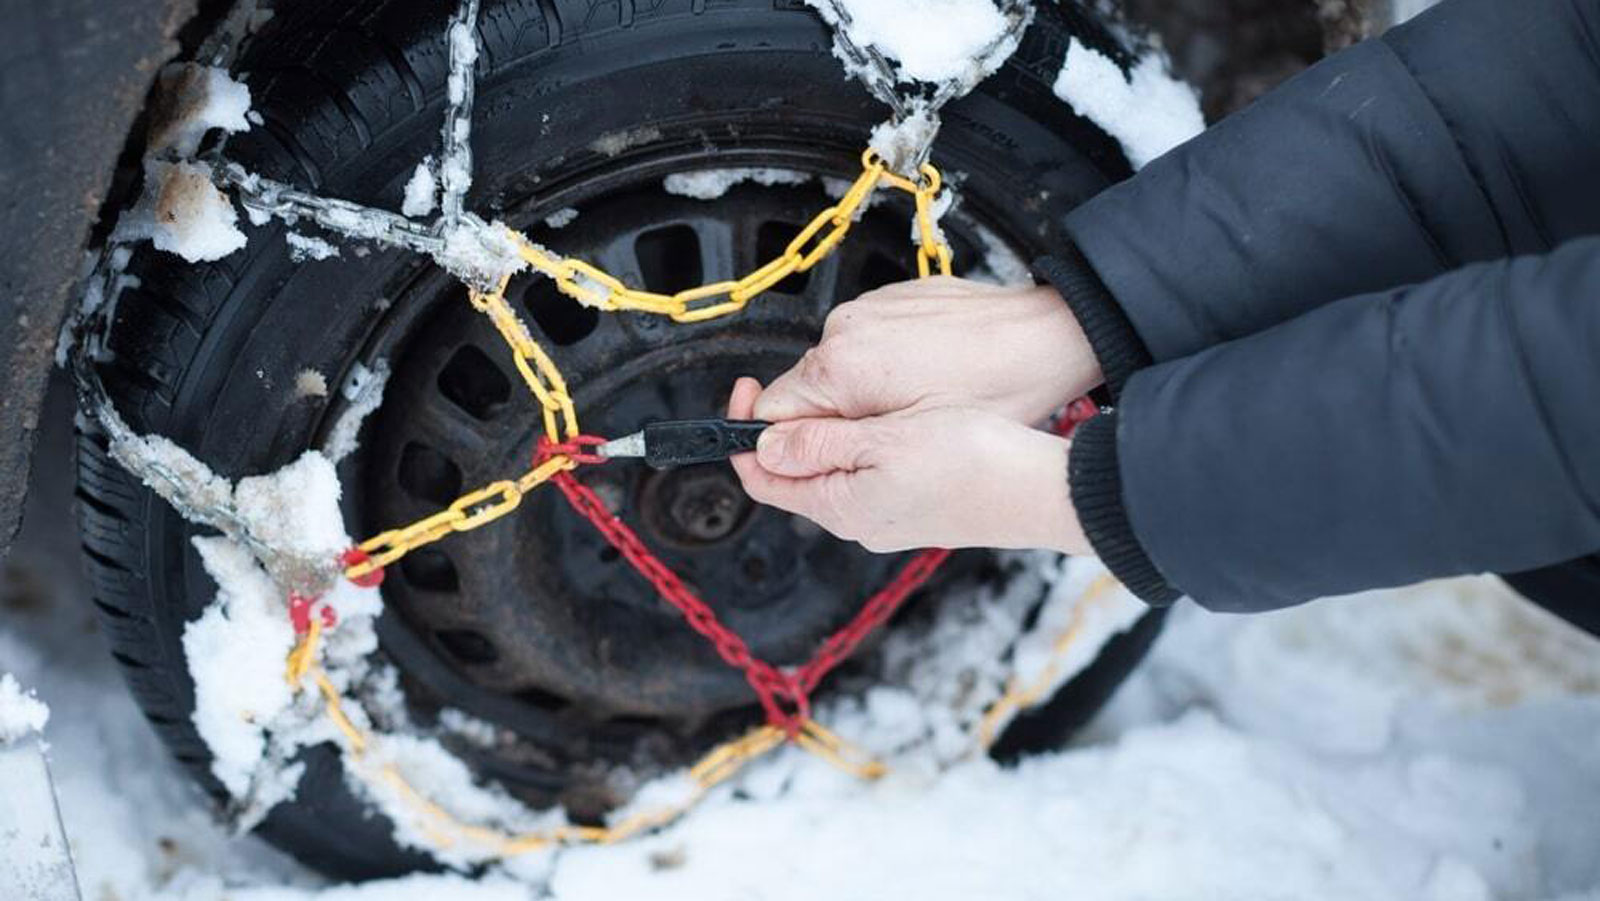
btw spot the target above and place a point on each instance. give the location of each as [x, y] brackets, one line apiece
[882, 80]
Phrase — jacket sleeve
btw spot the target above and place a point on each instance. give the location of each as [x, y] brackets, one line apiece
[1434, 430]
[1471, 133]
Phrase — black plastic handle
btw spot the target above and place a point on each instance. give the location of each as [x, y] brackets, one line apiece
[686, 441]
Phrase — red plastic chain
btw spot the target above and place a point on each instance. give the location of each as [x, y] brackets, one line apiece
[785, 696]
[772, 686]
[574, 449]
[300, 607]
[355, 556]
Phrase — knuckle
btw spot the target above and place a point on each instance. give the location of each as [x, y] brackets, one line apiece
[817, 364]
[842, 316]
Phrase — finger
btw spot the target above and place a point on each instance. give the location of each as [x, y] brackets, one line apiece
[802, 448]
[798, 496]
[741, 403]
[801, 392]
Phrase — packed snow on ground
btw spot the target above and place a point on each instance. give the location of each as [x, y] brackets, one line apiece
[1439, 742]
[20, 712]
[710, 184]
[1147, 110]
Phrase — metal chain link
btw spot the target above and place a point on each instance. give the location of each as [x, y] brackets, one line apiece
[884, 82]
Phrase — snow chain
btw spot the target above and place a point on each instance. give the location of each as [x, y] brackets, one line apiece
[784, 693]
[563, 448]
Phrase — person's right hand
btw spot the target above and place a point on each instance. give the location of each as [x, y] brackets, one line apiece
[936, 342]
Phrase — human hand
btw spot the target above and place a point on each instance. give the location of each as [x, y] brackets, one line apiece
[1017, 352]
[929, 477]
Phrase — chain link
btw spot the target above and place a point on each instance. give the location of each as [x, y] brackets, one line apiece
[595, 287]
[784, 695]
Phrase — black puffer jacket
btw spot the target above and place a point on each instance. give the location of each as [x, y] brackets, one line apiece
[1353, 332]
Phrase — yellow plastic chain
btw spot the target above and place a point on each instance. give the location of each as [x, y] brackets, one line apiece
[594, 287]
[1019, 696]
[445, 829]
[597, 288]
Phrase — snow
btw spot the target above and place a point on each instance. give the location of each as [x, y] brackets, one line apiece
[1440, 742]
[180, 210]
[710, 184]
[613, 143]
[1148, 111]
[931, 40]
[21, 714]
[463, 55]
[561, 218]
[455, 154]
[310, 383]
[903, 144]
[237, 647]
[193, 100]
[363, 390]
[1165, 812]
[1001, 265]
[183, 212]
[414, 888]
[306, 247]
[236, 651]
[422, 191]
[104, 280]
[480, 253]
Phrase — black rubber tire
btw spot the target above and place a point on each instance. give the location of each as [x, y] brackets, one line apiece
[351, 96]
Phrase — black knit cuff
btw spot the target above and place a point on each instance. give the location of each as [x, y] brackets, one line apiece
[1096, 483]
[1111, 335]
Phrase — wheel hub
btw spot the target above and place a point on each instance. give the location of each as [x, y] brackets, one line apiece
[696, 506]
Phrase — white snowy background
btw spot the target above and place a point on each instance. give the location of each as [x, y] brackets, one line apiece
[1438, 743]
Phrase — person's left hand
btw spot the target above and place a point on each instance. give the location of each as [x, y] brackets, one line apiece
[933, 477]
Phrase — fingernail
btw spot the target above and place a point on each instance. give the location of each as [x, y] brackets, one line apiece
[770, 447]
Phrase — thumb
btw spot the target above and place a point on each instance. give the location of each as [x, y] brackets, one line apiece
[802, 448]
[802, 391]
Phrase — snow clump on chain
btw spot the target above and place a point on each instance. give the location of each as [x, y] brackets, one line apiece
[180, 210]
